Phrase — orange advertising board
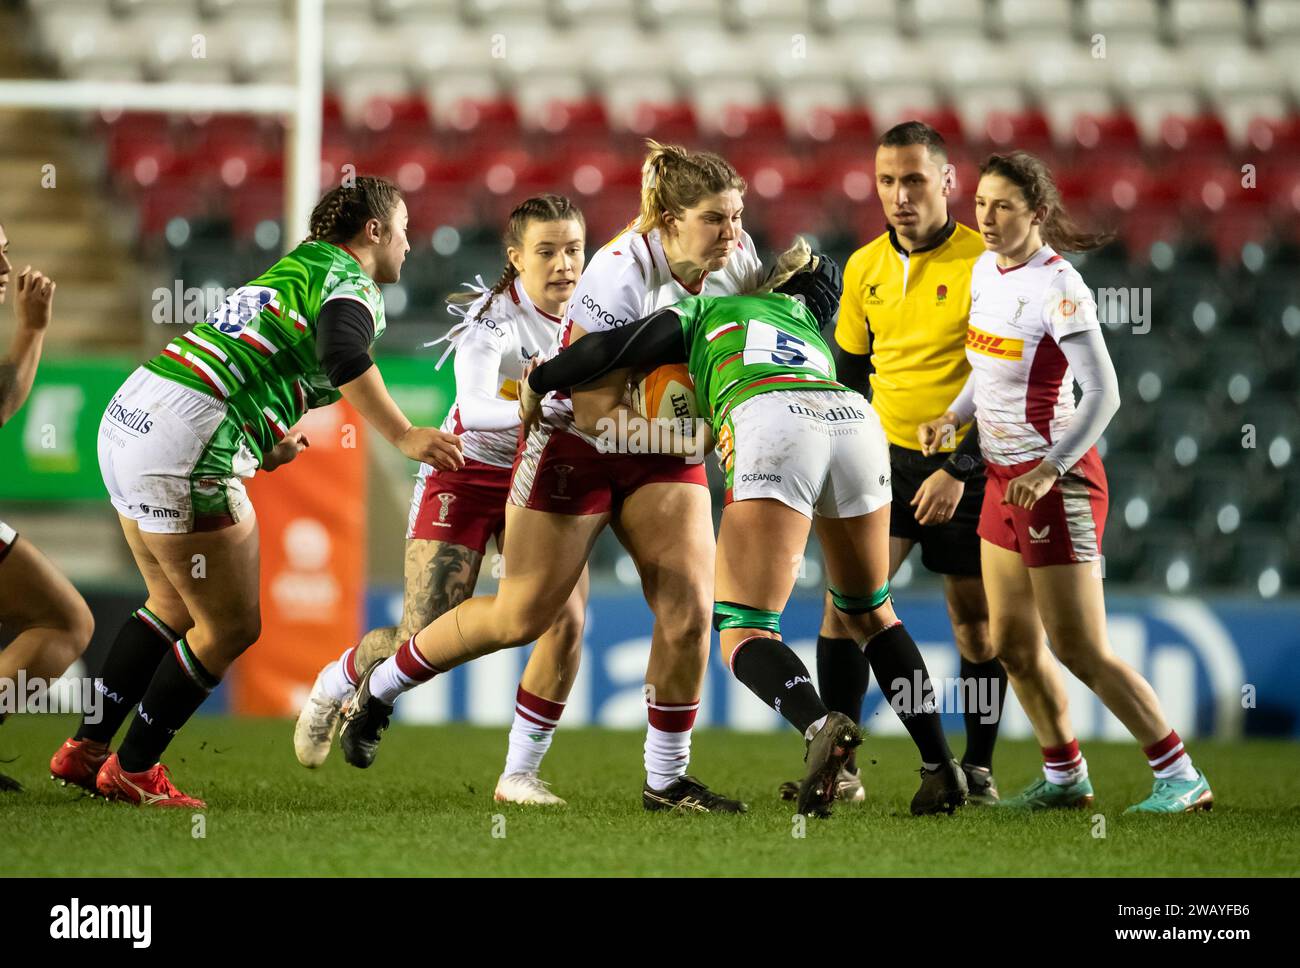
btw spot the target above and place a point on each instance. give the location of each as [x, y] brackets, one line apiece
[312, 521]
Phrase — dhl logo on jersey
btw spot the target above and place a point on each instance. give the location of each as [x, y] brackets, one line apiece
[990, 345]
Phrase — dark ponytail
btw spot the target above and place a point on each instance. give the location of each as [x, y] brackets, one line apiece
[539, 208]
[1034, 179]
[345, 210]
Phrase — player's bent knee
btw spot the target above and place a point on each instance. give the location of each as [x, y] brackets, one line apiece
[686, 626]
[1083, 667]
[734, 615]
[566, 630]
[236, 634]
[865, 614]
[974, 642]
[1017, 651]
[81, 627]
[524, 626]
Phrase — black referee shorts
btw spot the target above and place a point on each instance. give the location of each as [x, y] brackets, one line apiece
[946, 549]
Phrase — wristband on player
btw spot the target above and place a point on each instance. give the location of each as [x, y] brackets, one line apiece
[962, 466]
[966, 459]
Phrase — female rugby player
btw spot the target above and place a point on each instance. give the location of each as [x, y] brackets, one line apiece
[687, 239]
[177, 439]
[1033, 333]
[50, 622]
[796, 447]
[454, 513]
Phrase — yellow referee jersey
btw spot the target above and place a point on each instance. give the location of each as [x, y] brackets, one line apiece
[910, 312]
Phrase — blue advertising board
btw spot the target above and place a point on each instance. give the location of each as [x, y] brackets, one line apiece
[1221, 668]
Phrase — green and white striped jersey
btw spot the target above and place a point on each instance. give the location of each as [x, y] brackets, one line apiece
[257, 351]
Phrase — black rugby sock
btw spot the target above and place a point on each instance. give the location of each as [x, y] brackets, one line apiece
[772, 672]
[983, 712]
[141, 643]
[843, 675]
[174, 695]
[903, 678]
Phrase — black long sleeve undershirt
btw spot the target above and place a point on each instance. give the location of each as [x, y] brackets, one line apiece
[853, 370]
[648, 342]
[344, 331]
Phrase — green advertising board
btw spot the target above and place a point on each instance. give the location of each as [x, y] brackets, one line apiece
[49, 450]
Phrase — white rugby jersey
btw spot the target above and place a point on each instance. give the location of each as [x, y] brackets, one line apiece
[1024, 390]
[630, 278]
[491, 352]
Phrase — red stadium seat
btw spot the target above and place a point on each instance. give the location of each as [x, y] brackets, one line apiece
[1200, 135]
[583, 120]
[254, 204]
[592, 173]
[166, 200]
[508, 176]
[1276, 136]
[1115, 134]
[946, 122]
[480, 125]
[608, 214]
[672, 123]
[793, 214]
[1231, 230]
[391, 123]
[754, 123]
[431, 208]
[1284, 194]
[1025, 130]
[835, 128]
[1146, 226]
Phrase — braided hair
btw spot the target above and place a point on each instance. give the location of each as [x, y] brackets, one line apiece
[546, 207]
[344, 211]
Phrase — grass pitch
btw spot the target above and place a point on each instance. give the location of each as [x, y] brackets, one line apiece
[425, 808]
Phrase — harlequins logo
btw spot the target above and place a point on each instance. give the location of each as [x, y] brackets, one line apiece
[562, 472]
[940, 295]
[872, 298]
[1019, 309]
[445, 500]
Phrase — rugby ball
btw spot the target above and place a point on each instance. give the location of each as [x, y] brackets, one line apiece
[667, 393]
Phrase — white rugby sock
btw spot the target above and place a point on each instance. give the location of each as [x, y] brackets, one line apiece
[1064, 765]
[402, 671]
[531, 732]
[336, 680]
[1169, 760]
[668, 742]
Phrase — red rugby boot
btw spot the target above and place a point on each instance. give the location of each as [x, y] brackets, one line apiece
[151, 788]
[77, 762]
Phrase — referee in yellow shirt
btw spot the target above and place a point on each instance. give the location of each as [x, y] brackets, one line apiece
[902, 323]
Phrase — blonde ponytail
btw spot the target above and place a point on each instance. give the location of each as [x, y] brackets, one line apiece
[674, 179]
